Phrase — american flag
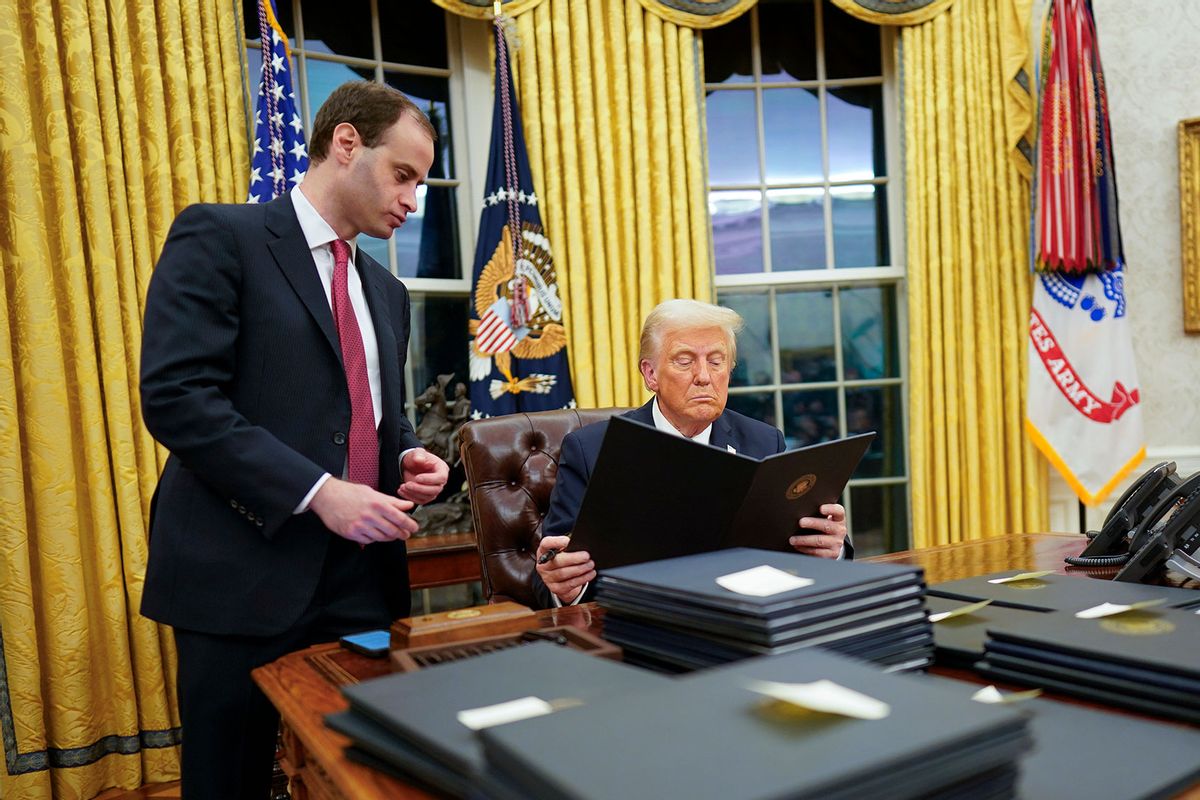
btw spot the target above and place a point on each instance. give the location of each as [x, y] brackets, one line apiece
[280, 157]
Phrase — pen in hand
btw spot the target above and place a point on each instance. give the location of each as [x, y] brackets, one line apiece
[547, 556]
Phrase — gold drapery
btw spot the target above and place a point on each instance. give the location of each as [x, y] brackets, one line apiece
[974, 473]
[114, 115]
[611, 100]
[893, 12]
[696, 14]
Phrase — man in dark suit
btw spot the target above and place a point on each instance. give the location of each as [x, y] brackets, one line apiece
[688, 349]
[272, 370]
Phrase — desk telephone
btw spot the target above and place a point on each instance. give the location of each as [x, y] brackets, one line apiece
[1155, 523]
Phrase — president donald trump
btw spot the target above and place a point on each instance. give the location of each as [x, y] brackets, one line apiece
[687, 351]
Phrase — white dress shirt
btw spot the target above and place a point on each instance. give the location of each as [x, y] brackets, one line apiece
[319, 235]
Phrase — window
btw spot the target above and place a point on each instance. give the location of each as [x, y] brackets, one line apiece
[801, 135]
[366, 39]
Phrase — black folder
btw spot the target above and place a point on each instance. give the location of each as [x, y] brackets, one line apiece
[1158, 640]
[960, 640]
[653, 495]
[706, 736]
[1060, 592]
[418, 710]
[693, 580]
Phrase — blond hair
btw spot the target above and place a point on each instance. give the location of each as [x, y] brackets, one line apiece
[674, 315]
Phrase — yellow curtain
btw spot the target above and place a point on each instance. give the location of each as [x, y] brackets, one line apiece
[611, 99]
[974, 474]
[113, 116]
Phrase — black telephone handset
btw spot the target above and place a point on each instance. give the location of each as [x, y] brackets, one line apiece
[1111, 547]
[1168, 535]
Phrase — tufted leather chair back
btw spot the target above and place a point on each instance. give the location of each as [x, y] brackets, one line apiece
[511, 464]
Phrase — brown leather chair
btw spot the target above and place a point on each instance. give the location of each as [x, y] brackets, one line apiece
[511, 464]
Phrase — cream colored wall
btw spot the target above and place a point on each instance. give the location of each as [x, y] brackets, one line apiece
[1151, 56]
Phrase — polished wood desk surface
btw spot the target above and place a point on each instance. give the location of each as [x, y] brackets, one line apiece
[304, 685]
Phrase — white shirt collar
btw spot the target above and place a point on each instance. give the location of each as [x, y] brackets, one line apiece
[317, 232]
[663, 424]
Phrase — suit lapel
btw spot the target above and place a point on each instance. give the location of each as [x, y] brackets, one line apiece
[372, 275]
[291, 253]
[644, 414]
[723, 435]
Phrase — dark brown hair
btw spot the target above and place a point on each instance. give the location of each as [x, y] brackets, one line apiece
[370, 107]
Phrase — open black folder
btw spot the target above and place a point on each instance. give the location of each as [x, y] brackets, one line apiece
[653, 495]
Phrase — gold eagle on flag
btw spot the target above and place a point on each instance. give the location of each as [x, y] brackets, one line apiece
[495, 336]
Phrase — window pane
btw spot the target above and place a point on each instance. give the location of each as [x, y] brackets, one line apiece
[878, 519]
[756, 405]
[796, 219]
[851, 47]
[810, 417]
[431, 94]
[343, 27]
[753, 366]
[427, 243]
[855, 117]
[877, 408]
[869, 323]
[787, 35]
[438, 343]
[727, 53]
[737, 231]
[792, 135]
[323, 78]
[732, 137]
[806, 351]
[375, 248]
[397, 21]
[283, 14]
[859, 226]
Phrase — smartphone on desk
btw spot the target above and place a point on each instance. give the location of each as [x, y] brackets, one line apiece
[369, 643]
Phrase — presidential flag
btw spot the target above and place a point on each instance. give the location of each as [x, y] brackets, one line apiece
[1083, 407]
[280, 158]
[518, 357]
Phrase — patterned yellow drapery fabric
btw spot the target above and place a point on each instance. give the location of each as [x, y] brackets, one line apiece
[108, 126]
[611, 100]
[893, 12]
[696, 14]
[974, 473]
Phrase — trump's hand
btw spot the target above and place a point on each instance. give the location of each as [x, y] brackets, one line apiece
[424, 476]
[361, 514]
[567, 572]
[829, 536]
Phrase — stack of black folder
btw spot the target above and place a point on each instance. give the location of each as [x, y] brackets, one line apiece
[1154, 759]
[1147, 660]
[709, 735]
[672, 614]
[407, 724]
[1060, 592]
[960, 639]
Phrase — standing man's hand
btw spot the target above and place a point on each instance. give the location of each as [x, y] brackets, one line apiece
[830, 533]
[567, 572]
[361, 514]
[424, 476]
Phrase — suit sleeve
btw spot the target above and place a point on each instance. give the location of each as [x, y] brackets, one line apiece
[565, 500]
[189, 354]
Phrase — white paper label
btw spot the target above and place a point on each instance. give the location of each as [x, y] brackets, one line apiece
[511, 711]
[992, 695]
[961, 611]
[1023, 576]
[762, 581]
[824, 696]
[1109, 609]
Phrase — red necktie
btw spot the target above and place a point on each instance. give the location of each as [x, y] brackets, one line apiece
[363, 456]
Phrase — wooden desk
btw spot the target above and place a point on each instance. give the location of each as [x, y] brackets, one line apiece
[303, 685]
[442, 559]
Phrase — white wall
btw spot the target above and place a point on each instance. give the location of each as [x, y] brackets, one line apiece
[1150, 51]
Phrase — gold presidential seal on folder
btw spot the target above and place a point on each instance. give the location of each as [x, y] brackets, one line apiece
[801, 486]
[1137, 623]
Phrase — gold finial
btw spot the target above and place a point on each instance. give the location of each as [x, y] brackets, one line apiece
[496, 7]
